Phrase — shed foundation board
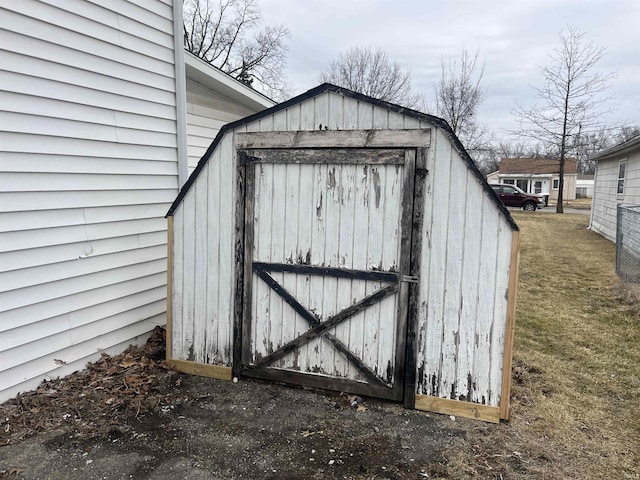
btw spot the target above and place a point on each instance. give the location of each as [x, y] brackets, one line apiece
[458, 408]
[201, 369]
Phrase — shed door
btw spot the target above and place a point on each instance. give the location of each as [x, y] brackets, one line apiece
[327, 241]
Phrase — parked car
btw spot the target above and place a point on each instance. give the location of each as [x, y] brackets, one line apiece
[512, 196]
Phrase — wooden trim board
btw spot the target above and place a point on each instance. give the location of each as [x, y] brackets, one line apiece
[168, 327]
[458, 408]
[507, 359]
[202, 369]
[335, 139]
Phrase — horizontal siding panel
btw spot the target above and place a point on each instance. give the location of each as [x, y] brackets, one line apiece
[100, 22]
[208, 132]
[61, 128]
[213, 106]
[12, 241]
[82, 94]
[46, 107]
[43, 293]
[57, 342]
[17, 260]
[134, 35]
[206, 123]
[78, 301]
[75, 357]
[49, 68]
[87, 265]
[25, 201]
[158, 8]
[28, 182]
[43, 163]
[69, 47]
[202, 142]
[51, 326]
[137, 14]
[25, 143]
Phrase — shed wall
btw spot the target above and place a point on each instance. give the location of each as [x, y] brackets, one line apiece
[466, 246]
[89, 162]
[605, 197]
[463, 283]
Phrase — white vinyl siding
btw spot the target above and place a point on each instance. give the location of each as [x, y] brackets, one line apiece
[207, 113]
[605, 195]
[88, 155]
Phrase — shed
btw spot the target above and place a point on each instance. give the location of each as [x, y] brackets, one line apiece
[345, 243]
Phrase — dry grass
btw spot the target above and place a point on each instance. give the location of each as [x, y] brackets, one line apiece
[576, 392]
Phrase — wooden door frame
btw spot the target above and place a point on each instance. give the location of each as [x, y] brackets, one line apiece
[415, 143]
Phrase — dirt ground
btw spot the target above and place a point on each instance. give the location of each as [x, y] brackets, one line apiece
[131, 417]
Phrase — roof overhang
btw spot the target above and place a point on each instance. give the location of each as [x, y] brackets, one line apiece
[621, 149]
[215, 79]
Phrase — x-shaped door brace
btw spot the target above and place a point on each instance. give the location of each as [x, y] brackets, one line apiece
[319, 328]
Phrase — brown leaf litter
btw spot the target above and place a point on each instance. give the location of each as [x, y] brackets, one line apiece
[97, 400]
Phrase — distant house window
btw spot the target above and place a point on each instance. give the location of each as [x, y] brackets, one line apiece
[509, 182]
[621, 172]
[556, 183]
[537, 186]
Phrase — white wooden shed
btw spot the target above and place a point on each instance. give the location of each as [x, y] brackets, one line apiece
[345, 243]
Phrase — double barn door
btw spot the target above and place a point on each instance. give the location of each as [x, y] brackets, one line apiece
[326, 267]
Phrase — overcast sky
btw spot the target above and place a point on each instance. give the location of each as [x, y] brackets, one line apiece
[513, 37]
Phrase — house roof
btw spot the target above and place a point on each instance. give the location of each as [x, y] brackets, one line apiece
[327, 87]
[620, 149]
[215, 79]
[536, 166]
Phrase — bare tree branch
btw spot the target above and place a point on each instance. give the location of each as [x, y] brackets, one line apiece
[227, 34]
[569, 99]
[458, 97]
[369, 70]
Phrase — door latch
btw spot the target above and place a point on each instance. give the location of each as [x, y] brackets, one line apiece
[409, 279]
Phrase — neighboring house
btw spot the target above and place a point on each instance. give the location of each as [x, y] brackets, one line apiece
[617, 181]
[537, 175]
[97, 116]
[584, 186]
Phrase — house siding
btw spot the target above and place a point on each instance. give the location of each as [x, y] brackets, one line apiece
[605, 198]
[89, 159]
[456, 324]
[207, 112]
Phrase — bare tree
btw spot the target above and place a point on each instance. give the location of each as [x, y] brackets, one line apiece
[369, 70]
[570, 97]
[458, 97]
[227, 34]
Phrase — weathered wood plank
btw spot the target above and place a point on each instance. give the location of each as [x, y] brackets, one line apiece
[327, 271]
[203, 370]
[458, 408]
[248, 311]
[215, 319]
[242, 281]
[200, 272]
[412, 311]
[334, 139]
[188, 281]
[469, 287]
[322, 381]
[367, 156]
[226, 234]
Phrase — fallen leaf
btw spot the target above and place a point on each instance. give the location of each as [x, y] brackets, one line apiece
[361, 408]
[15, 470]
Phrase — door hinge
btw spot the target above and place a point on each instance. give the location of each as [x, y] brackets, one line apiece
[409, 279]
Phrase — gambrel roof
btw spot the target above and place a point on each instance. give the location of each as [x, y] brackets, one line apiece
[327, 87]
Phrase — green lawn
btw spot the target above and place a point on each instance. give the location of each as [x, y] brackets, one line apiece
[576, 392]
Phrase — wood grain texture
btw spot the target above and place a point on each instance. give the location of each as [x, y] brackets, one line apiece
[201, 369]
[457, 408]
[507, 375]
[335, 139]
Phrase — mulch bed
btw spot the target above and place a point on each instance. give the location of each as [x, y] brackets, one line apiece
[98, 400]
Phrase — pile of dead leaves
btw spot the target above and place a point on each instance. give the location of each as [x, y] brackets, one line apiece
[98, 400]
